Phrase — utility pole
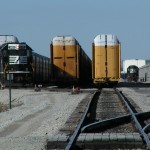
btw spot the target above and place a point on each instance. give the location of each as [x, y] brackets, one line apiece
[9, 82]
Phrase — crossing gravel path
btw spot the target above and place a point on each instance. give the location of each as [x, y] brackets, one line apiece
[33, 117]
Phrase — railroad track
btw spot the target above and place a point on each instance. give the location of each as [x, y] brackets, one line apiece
[104, 120]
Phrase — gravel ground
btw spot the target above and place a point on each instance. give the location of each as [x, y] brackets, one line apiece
[141, 96]
[35, 116]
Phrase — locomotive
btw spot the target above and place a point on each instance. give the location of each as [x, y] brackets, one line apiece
[20, 65]
[106, 60]
[132, 73]
[69, 63]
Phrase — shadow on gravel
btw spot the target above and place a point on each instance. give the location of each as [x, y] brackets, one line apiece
[133, 84]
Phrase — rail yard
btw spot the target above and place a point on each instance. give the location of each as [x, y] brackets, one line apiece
[75, 75]
[108, 123]
[69, 101]
[51, 118]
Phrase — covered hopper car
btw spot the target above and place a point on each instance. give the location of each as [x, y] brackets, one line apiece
[106, 60]
[70, 65]
[132, 73]
[20, 65]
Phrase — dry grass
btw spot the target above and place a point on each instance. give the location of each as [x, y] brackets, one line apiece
[3, 107]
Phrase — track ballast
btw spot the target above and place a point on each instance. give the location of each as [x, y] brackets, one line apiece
[108, 124]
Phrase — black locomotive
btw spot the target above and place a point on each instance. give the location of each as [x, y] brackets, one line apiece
[20, 65]
[132, 73]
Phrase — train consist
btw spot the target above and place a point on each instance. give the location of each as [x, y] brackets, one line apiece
[70, 64]
[132, 73]
[106, 60]
[21, 65]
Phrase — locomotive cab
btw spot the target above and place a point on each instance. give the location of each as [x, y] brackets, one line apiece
[132, 73]
[15, 63]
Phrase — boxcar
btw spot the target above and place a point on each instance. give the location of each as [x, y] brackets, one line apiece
[106, 59]
[41, 69]
[70, 64]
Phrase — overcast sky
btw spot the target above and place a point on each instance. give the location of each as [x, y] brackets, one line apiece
[37, 22]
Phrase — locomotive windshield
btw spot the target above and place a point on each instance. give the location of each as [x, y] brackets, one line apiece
[20, 52]
[132, 70]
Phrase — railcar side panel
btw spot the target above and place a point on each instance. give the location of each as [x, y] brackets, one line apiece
[58, 57]
[100, 63]
[41, 69]
[85, 71]
[113, 63]
[43, 72]
[71, 60]
[64, 59]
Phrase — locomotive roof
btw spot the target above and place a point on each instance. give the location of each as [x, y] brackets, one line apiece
[8, 39]
[133, 66]
[64, 40]
[106, 39]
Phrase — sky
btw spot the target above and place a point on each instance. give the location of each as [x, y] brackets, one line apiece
[37, 22]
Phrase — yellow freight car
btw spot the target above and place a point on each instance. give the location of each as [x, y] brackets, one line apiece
[106, 59]
[69, 62]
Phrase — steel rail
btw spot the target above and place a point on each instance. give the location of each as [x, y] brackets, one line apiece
[143, 114]
[146, 127]
[114, 120]
[145, 136]
[78, 129]
[105, 122]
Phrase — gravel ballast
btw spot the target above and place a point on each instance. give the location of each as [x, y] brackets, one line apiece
[37, 115]
[141, 96]
[34, 116]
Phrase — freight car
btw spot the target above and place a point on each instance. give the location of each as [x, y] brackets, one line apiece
[20, 65]
[70, 64]
[132, 73]
[41, 69]
[106, 60]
